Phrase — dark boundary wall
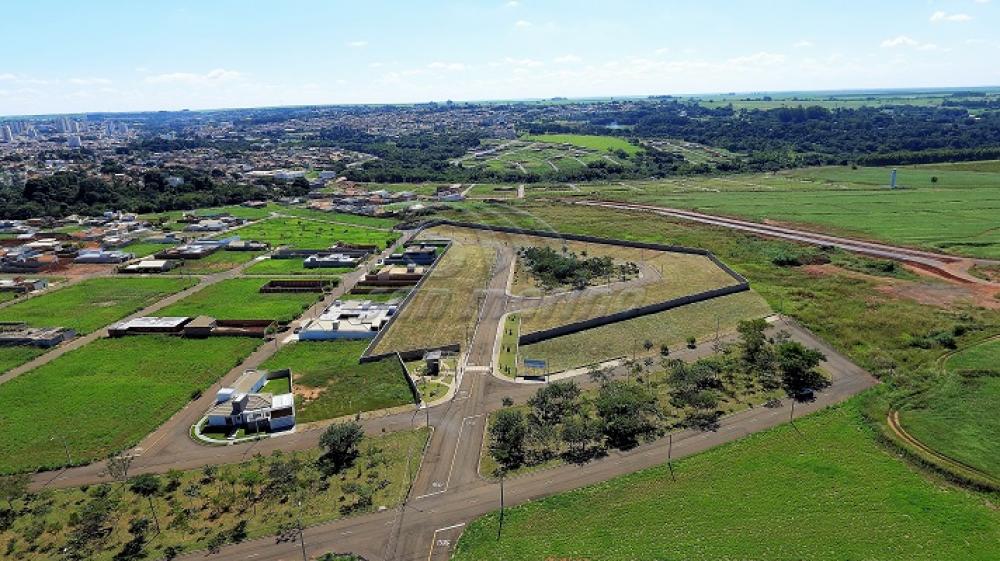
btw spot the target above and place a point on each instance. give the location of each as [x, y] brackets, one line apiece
[742, 285]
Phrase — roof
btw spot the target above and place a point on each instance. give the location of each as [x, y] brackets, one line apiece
[151, 322]
[203, 322]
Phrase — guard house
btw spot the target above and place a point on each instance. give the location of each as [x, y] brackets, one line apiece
[248, 404]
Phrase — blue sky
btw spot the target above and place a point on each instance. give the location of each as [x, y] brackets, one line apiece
[107, 55]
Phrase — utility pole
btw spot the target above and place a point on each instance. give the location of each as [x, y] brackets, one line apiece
[500, 527]
[302, 536]
[670, 453]
[69, 459]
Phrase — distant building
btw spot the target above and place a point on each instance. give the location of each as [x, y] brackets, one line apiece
[74, 141]
[6, 135]
[102, 256]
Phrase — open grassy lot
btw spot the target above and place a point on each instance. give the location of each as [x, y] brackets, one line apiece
[106, 396]
[444, 309]
[215, 263]
[833, 491]
[339, 217]
[12, 357]
[862, 315]
[92, 304]
[626, 338]
[591, 142]
[235, 502]
[957, 415]
[329, 382]
[145, 249]
[241, 299]
[956, 213]
[314, 234]
[280, 267]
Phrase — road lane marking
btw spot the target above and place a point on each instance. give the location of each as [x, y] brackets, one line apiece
[454, 456]
[442, 543]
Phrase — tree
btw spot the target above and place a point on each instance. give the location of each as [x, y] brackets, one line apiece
[627, 412]
[14, 487]
[251, 478]
[695, 389]
[507, 438]
[148, 485]
[797, 364]
[340, 444]
[91, 525]
[134, 548]
[554, 401]
[579, 432]
[117, 466]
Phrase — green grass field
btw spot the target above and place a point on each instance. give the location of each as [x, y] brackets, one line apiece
[626, 338]
[215, 263]
[590, 142]
[280, 267]
[330, 383]
[824, 492]
[955, 214]
[339, 217]
[145, 249]
[314, 234]
[957, 415]
[241, 299]
[92, 304]
[12, 357]
[188, 509]
[105, 396]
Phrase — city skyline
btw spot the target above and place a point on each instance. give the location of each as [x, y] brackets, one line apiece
[68, 58]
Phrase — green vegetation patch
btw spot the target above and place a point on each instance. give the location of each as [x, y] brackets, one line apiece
[339, 217]
[329, 382]
[507, 361]
[957, 415]
[314, 234]
[837, 494]
[106, 396]
[242, 299]
[214, 506]
[92, 304]
[12, 357]
[591, 142]
[289, 267]
[627, 338]
[215, 263]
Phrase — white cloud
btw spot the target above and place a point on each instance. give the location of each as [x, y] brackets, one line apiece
[523, 62]
[357, 44]
[803, 44]
[8, 76]
[940, 16]
[758, 59]
[216, 76]
[89, 81]
[909, 42]
[981, 1]
[449, 66]
[512, 4]
[522, 24]
[566, 59]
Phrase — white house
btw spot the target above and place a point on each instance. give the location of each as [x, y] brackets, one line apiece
[249, 406]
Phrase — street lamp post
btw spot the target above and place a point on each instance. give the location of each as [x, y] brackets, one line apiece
[69, 459]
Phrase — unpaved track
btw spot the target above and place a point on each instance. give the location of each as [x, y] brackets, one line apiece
[949, 267]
